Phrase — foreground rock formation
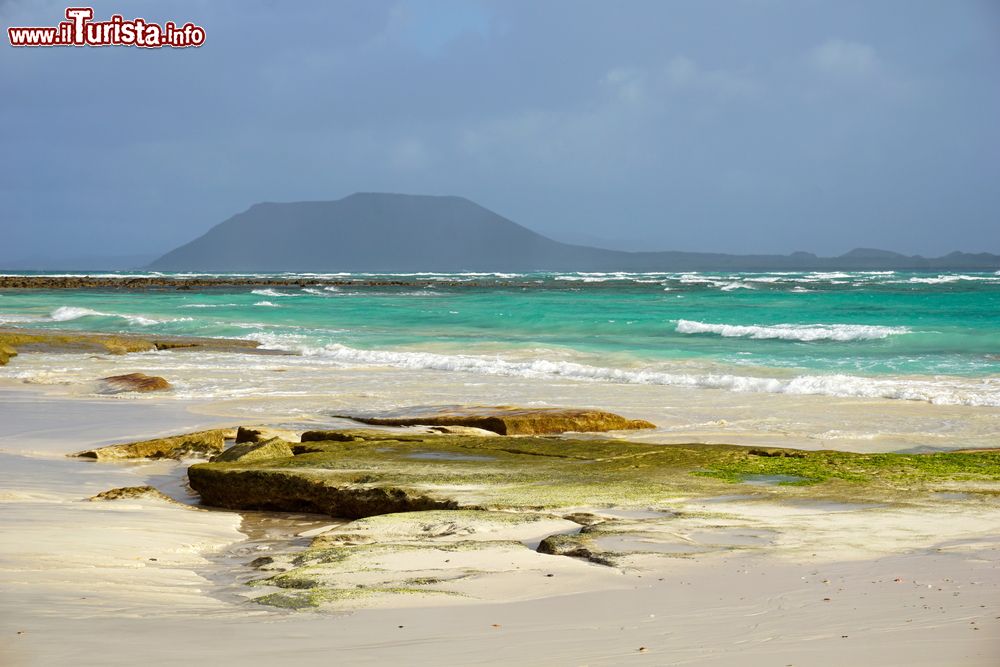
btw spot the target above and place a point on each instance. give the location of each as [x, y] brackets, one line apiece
[507, 420]
[444, 515]
[449, 515]
[357, 473]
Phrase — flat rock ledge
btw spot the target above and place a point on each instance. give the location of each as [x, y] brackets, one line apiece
[358, 473]
[14, 340]
[202, 444]
[508, 420]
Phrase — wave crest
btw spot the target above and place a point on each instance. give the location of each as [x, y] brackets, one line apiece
[68, 313]
[940, 392]
[797, 332]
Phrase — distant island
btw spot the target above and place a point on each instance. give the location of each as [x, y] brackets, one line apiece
[394, 233]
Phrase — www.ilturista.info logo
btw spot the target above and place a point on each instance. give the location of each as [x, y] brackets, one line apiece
[80, 30]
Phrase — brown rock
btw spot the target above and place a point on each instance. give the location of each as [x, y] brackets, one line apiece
[201, 443]
[126, 492]
[507, 420]
[6, 352]
[135, 382]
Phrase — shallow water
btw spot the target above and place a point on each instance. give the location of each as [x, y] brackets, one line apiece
[901, 336]
[864, 361]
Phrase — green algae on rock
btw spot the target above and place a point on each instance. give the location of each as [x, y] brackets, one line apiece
[443, 514]
[508, 420]
[275, 448]
[14, 340]
[200, 443]
[377, 472]
[6, 352]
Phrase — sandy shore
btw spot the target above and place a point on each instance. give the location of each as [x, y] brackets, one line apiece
[159, 583]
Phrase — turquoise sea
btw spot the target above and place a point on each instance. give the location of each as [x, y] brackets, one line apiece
[911, 336]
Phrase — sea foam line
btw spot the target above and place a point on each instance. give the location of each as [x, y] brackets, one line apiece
[797, 332]
[68, 313]
[941, 392]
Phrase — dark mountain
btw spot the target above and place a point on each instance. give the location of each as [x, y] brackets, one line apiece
[389, 233]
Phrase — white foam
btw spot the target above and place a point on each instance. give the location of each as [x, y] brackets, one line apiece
[68, 313]
[938, 391]
[268, 304]
[798, 332]
[270, 292]
[943, 278]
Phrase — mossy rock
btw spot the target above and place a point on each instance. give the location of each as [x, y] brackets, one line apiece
[275, 448]
[199, 444]
[13, 340]
[6, 352]
[384, 473]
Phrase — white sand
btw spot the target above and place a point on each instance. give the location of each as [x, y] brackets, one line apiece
[77, 582]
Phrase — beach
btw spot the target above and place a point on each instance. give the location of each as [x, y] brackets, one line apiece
[719, 571]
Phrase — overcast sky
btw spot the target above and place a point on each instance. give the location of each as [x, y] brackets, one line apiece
[741, 126]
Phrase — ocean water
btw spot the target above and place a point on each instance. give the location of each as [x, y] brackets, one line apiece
[933, 338]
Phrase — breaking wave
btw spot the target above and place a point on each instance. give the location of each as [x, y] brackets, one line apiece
[952, 392]
[798, 332]
[270, 292]
[68, 313]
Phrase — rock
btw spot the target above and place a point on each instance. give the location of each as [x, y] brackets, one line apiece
[247, 434]
[6, 352]
[774, 452]
[232, 486]
[379, 471]
[584, 518]
[139, 382]
[127, 492]
[262, 433]
[202, 443]
[507, 420]
[564, 545]
[370, 435]
[275, 448]
[25, 340]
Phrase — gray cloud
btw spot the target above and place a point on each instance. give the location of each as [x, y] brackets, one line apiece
[749, 126]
